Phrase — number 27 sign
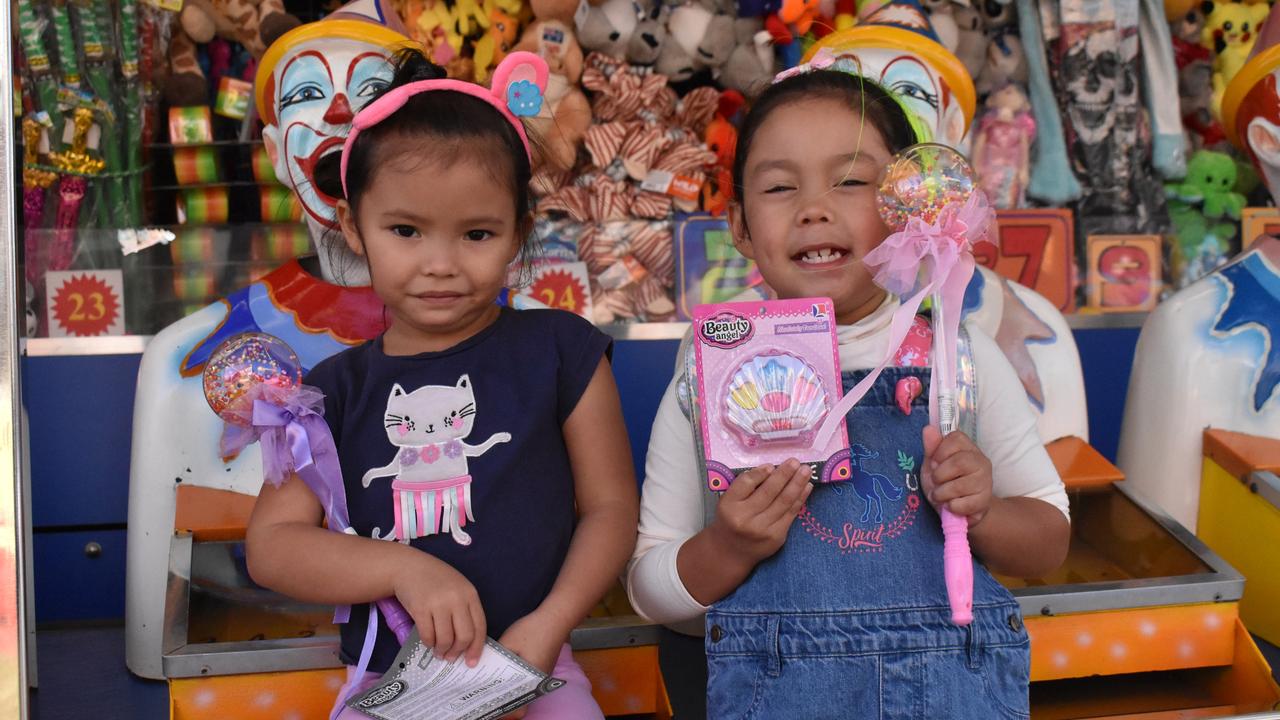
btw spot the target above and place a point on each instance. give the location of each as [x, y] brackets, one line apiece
[1035, 248]
[84, 303]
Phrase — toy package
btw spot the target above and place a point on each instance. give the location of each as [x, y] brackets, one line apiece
[766, 375]
[708, 268]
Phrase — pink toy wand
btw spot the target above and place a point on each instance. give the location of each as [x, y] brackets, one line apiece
[927, 194]
[254, 383]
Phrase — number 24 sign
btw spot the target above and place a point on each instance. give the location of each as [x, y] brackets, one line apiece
[1035, 248]
[85, 303]
[564, 286]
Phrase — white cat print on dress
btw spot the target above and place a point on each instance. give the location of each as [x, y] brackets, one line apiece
[431, 482]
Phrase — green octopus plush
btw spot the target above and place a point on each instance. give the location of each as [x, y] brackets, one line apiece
[1210, 183]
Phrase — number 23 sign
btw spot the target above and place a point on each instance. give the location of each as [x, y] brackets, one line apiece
[1035, 248]
[84, 303]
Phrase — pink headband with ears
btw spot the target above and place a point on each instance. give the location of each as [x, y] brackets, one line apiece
[519, 82]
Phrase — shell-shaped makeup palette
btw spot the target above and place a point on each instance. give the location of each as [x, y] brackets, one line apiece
[775, 396]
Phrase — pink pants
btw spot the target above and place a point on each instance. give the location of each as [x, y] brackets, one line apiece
[573, 701]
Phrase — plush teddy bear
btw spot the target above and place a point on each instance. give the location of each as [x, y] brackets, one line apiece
[255, 24]
[608, 27]
[557, 10]
[565, 114]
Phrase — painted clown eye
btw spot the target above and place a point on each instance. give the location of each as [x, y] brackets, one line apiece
[915, 92]
[371, 88]
[304, 93]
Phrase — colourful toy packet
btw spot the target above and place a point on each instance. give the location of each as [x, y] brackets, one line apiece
[767, 373]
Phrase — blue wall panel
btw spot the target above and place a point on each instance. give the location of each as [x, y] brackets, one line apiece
[1107, 358]
[81, 414]
[643, 369]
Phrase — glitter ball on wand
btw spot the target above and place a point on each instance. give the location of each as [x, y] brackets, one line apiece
[242, 363]
[920, 182]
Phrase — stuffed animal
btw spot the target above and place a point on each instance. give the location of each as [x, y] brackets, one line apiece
[1006, 60]
[798, 15]
[255, 24]
[438, 26]
[699, 42]
[792, 21]
[1204, 209]
[1002, 147]
[554, 10]
[1230, 30]
[650, 33]
[1186, 19]
[565, 114]
[721, 138]
[503, 32]
[944, 23]
[834, 15]
[750, 65]
[1211, 182]
[608, 27]
[972, 42]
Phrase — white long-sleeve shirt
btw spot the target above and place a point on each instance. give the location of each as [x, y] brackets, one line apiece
[671, 509]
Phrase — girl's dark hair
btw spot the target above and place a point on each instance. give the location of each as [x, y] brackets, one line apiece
[456, 125]
[882, 111]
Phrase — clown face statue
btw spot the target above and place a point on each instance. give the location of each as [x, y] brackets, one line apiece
[309, 86]
[1209, 357]
[895, 47]
[310, 82]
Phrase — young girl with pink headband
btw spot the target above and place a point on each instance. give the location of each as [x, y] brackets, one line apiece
[484, 457]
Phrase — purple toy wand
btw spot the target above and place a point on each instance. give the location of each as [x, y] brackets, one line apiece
[254, 383]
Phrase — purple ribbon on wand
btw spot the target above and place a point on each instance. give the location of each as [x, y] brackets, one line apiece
[249, 383]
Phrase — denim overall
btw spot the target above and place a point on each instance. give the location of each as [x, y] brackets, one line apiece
[850, 618]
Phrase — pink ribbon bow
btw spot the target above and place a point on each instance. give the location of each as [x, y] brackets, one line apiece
[920, 259]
